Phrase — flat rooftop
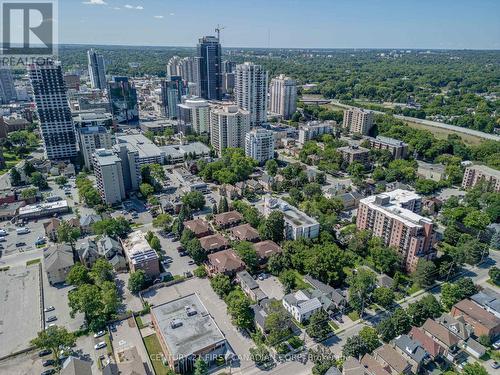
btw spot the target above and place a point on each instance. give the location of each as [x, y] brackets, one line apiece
[390, 141]
[63, 204]
[138, 142]
[197, 148]
[195, 328]
[291, 213]
[93, 130]
[486, 170]
[106, 157]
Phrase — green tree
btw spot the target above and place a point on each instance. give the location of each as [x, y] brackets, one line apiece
[118, 227]
[66, 233]
[146, 189]
[401, 321]
[200, 272]
[425, 274]
[271, 167]
[370, 338]
[318, 327]
[195, 251]
[101, 271]
[247, 254]
[15, 177]
[137, 281]
[238, 306]
[53, 338]
[361, 284]
[354, 347]
[200, 367]
[477, 220]
[288, 280]
[61, 180]
[38, 180]
[162, 221]
[78, 275]
[452, 293]
[494, 274]
[474, 369]
[86, 299]
[360, 242]
[223, 205]
[384, 297]
[386, 329]
[194, 200]
[273, 227]
[221, 284]
[386, 259]
[29, 193]
[260, 355]
[420, 311]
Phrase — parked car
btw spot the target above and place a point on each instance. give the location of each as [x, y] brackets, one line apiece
[3, 232]
[495, 365]
[191, 262]
[48, 362]
[182, 254]
[44, 352]
[180, 248]
[99, 334]
[48, 372]
[20, 244]
[100, 345]
[3, 239]
[496, 344]
[49, 308]
[52, 318]
[22, 230]
[263, 276]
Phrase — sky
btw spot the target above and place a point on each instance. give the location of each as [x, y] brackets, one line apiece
[439, 24]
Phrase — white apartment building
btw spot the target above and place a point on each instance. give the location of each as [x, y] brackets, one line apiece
[314, 129]
[94, 138]
[228, 127]
[174, 66]
[297, 223]
[283, 96]
[200, 115]
[251, 91]
[56, 124]
[109, 176]
[259, 144]
[358, 120]
[148, 152]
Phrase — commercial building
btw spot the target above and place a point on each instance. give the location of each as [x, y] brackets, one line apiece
[33, 211]
[259, 144]
[358, 120]
[315, 129]
[123, 98]
[139, 255]
[148, 152]
[94, 138]
[186, 331]
[481, 173]
[175, 154]
[250, 89]
[228, 127]
[56, 124]
[350, 154]
[297, 223]
[109, 176]
[7, 88]
[97, 70]
[300, 306]
[283, 96]
[209, 55]
[397, 148]
[393, 217]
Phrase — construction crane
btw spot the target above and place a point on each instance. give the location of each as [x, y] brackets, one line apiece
[218, 29]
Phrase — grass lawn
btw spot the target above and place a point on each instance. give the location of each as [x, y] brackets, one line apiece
[300, 283]
[140, 324]
[413, 289]
[33, 261]
[154, 350]
[353, 315]
[333, 326]
[109, 346]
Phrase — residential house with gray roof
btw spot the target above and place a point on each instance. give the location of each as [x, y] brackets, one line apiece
[57, 262]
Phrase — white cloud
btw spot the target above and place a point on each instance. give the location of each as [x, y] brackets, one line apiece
[158, 17]
[138, 7]
[172, 14]
[117, 8]
[95, 2]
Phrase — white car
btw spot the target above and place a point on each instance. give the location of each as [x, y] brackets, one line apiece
[49, 308]
[3, 232]
[99, 334]
[100, 345]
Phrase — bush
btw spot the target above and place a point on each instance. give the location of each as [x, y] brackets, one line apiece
[200, 272]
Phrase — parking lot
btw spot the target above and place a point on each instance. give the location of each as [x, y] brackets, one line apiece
[23, 364]
[178, 265]
[20, 312]
[215, 306]
[126, 335]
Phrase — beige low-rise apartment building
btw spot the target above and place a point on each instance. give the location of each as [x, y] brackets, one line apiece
[394, 217]
[140, 255]
[476, 173]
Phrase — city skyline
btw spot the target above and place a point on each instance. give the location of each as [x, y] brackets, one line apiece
[285, 24]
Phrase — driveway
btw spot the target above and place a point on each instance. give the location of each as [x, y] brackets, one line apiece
[126, 336]
[272, 287]
[20, 313]
[130, 302]
[217, 309]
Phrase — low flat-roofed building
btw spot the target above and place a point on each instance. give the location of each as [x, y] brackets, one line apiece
[199, 227]
[431, 171]
[139, 255]
[175, 154]
[186, 330]
[157, 126]
[214, 242]
[43, 209]
[297, 223]
[476, 173]
[245, 232]
[483, 322]
[10, 210]
[228, 219]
